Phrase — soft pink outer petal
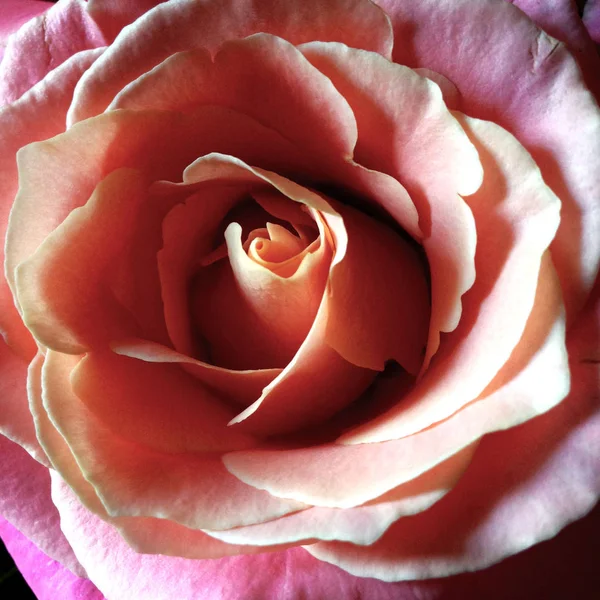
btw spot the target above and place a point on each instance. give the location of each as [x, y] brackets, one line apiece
[122, 574]
[591, 19]
[25, 503]
[16, 13]
[38, 115]
[185, 24]
[530, 85]
[47, 578]
[44, 44]
[113, 15]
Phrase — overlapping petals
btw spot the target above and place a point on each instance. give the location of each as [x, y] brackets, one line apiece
[267, 287]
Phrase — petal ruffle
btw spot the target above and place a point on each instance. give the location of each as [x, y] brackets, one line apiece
[531, 85]
[45, 43]
[176, 27]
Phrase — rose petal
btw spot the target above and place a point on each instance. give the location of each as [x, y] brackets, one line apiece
[263, 77]
[122, 573]
[241, 387]
[406, 131]
[47, 578]
[77, 253]
[533, 381]
[172, 28]
[591, 19]
[361, 525]
[133, 480]
[38, 114]
[25, 503]
[554, 481]
[44, 44]
[113, 15]
[15, 419]
[16, 13]
[517, 216]
[531, 86]
[377, 294]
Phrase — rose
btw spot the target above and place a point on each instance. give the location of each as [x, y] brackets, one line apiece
[497, 313]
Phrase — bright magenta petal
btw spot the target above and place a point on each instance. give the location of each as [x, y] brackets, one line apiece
[530, 85]
[25, 503]
[44, 44]
[176, 27]
[591, 19]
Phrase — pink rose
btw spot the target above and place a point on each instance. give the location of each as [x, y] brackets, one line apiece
[274, 270]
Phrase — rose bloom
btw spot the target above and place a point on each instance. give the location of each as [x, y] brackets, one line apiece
[305, 286]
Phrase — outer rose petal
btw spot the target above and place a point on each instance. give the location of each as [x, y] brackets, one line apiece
[132, 479]
[405, 130]
[530, 85]
[14, 14]
[121, 573]
[25, 503]
[15, 419]
[591, 19]
[37, 115]
[176, 26]
[47, 578]
[113, 15]
[44, 44]
[517, 216]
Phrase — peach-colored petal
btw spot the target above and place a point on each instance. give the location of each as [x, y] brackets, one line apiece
[38, 114]
[504, 503]
[81, 312]
[517, 216]
[16, 422]
[187, 24]
[45, 43]
[531, 85]
[262, 76]
[377, 294]
[252, 317]
[286, 404]
[159, 405]
[188, 234]
[406, 131]
[240, 387]
[533, 381]
[144, 534]
[131, 479]
[362, 525]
